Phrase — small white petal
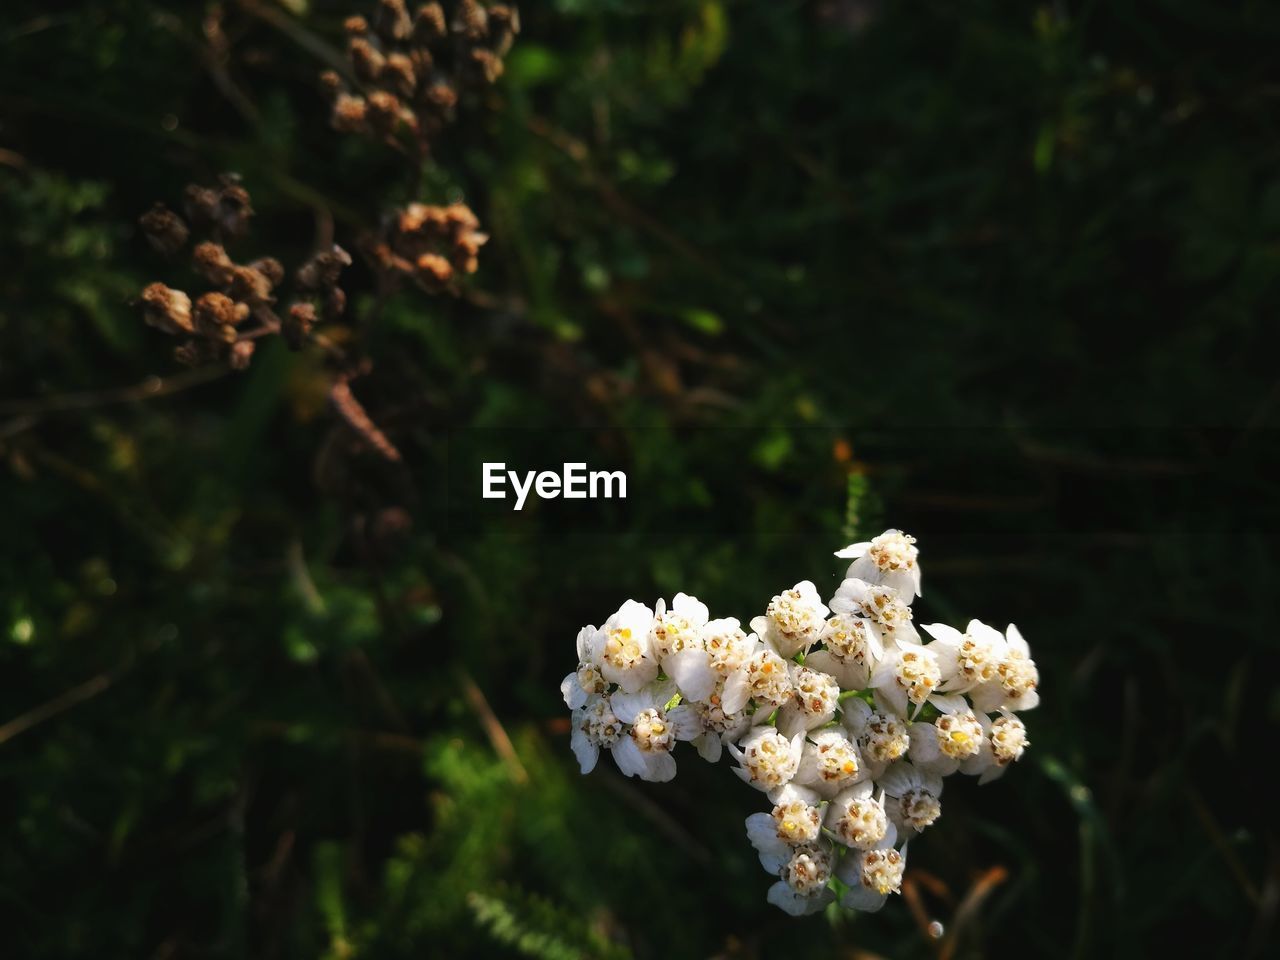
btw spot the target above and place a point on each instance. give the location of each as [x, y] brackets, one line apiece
[691, 608]
[691, 670]
[854, 550]
[709, 746]
[737, 690]
[861, 898]
[629, 757]
[686, 722]
[571, 690]
[586, 752]
[659, 767]
[626, 706]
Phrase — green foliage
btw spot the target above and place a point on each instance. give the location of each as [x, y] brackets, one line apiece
[535, 928]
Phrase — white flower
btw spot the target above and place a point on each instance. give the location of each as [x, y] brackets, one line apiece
[595, 725]
[908, 674]
[918, 796]
[857, 818]
[678, 644]
[1005, 740]
[829, 762]
[587, 680]
[942, 746]
[889, 613]
[871, 876]
[793, 619]
[972, 657]
[645, 750]
[726, 645]
[821, 709]
[851, 651]
[881, 735]
[995, 669]
[715, 726]
[1017, 675]
[794, 821]
[624, 654]
[803, 888]
[891, 558]
[813, 702]
[767, 759]
[763, 677]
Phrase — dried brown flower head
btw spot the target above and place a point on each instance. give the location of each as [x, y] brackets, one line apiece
[412, 70]
[430, 245]
[224, 323]
[167, 309]
[224, 209]
[164, 229]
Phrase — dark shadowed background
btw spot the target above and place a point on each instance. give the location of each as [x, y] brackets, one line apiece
[1001, 275]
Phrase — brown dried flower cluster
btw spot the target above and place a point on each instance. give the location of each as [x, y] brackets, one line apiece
[411, 70]
[226, 321]
[430, 245]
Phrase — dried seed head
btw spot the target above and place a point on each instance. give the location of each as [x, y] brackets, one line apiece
[349, 113]
[422, 61]
[434, 271]
[504, 24]
[429, 23]
[442, 98]
[366, 61]
[322, 271]
[216, 316]
[234, 205]
[487, 64]
[249, 285]
[167, 309]
[335, 304]
[200, 204]
[271, 268]
[384, 111]
[297, 324]
[331, 83]
[391, 21]
[356, 26]
[240, 355]
[165, 230]
[470, 21]
[210, 260]
[398, 74]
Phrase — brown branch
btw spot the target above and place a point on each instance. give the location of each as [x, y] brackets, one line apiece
[146, 390]
[354, 415]
[61, 703]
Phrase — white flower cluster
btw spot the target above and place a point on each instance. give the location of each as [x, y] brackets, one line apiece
[842, 715]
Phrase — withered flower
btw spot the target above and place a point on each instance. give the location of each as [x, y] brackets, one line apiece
[164, 229]
[225, 322]
[167, 309]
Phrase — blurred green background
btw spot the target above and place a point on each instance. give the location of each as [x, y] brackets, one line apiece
[1002, 275]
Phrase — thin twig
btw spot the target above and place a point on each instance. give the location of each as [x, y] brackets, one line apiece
[982, 888]
[1228, 853]
[493, 728]
[299, 34]
[60, 704]
[146, 390]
